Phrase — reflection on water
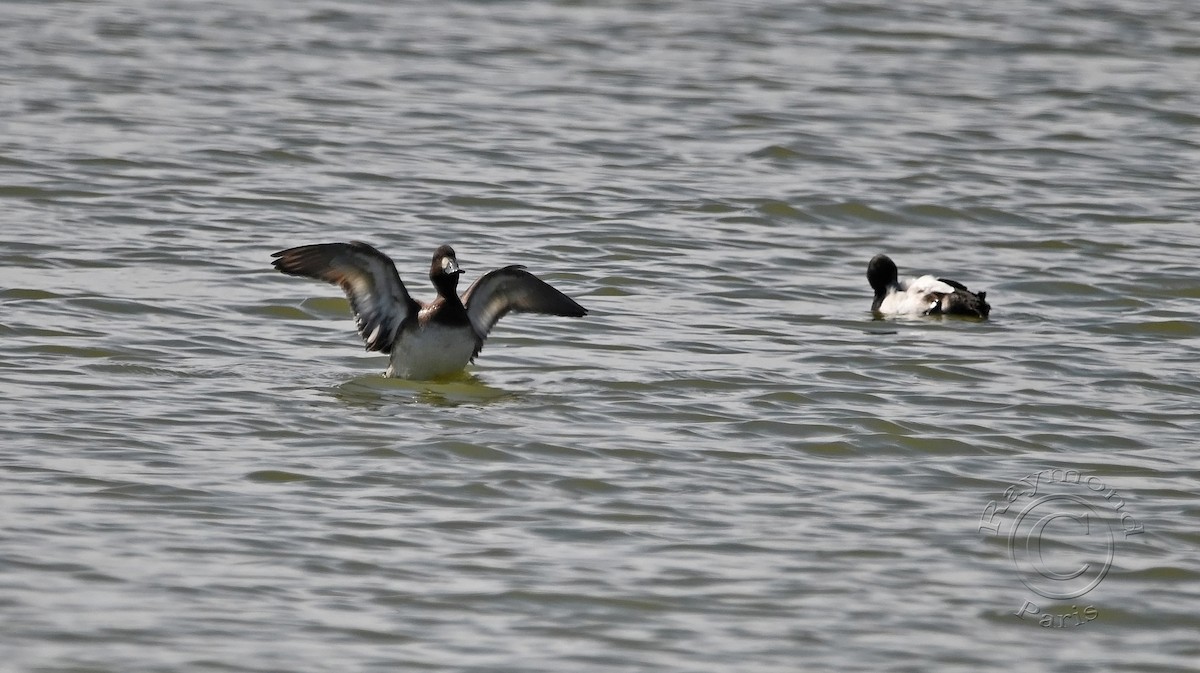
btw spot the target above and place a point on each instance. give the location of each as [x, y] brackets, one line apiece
[377, 391]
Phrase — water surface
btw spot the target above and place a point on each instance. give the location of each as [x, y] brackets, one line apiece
[728, 465]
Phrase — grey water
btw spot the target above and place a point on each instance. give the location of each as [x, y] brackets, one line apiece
[729, 465]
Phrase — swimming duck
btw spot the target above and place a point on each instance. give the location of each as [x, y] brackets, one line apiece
[926, 295]
[424, 340]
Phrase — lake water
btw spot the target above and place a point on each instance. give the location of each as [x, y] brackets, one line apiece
[729, 465]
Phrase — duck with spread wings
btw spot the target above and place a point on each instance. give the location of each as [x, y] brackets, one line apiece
[424, 340]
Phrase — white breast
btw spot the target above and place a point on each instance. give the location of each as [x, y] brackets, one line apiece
[431, 352]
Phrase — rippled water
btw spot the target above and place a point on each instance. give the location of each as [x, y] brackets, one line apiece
[729, 465]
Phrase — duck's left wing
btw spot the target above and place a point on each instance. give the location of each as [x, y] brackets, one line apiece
[512, 288]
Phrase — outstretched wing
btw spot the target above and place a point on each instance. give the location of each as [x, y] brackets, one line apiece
[369, 279]
[513, 289]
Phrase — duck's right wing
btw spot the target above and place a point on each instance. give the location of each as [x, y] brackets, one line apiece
[964, 302]
[929, 285]
[916, 296]
[953, 283]
[368, 277]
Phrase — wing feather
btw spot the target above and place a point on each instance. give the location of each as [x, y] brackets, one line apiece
[964, 302]
[368, 277]
[953, 283]
[512, 288]
[928, 285]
